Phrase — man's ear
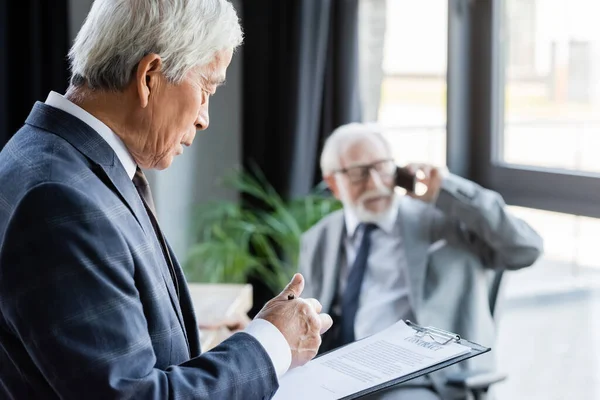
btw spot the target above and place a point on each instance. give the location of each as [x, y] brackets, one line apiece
[147, 77]
[333, 185]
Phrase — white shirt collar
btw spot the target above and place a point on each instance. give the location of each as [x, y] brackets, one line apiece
[387, 222]
[58, 101]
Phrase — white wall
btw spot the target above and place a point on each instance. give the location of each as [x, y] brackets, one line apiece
[193, 176]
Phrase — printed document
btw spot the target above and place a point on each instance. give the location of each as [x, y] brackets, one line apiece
[388, 355]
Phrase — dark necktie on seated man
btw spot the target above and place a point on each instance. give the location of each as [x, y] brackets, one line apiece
[143, 187]
[351, 294]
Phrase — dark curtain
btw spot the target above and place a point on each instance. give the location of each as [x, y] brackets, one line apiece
[300, 72]
[34, 42]
[300, 82]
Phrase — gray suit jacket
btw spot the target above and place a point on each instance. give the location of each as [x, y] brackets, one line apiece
[450, 247]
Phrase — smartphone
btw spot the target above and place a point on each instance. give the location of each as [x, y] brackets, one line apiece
[405, 179]
[409, 181]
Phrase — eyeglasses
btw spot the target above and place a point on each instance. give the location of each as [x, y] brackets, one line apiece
[360, 173]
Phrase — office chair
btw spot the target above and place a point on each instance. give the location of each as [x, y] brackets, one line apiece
[478, 383]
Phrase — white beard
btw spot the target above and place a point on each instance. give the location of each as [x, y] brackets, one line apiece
[361, 212]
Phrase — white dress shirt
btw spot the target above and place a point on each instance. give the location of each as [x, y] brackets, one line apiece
[266, 333]
[384, 295]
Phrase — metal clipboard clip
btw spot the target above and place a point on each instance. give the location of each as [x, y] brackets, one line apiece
[439, 336]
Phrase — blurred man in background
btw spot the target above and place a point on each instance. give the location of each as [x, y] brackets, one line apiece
[425, 258]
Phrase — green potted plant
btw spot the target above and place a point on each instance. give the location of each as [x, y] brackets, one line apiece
[233, 241]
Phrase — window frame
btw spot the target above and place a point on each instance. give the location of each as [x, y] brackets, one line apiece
[476, 119]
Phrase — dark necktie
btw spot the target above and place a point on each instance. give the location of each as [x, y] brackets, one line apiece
[352, 291]
[143, 188]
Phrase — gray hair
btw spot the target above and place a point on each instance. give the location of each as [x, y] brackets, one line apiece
[344, 136]
[117, 34]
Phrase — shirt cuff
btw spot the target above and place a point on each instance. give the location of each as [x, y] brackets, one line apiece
[274, 343]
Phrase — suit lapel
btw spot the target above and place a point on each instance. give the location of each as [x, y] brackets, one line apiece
[88, 142]
[416, 242]
[126, 189]
[124, 186]
[186, 309]
[333, 248]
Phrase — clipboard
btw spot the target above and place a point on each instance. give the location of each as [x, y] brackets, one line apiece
[440, 337]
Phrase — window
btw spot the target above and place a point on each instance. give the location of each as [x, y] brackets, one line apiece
[504, 92]
[515, 100]
[551, 91]
[406, 77]
[532, 95]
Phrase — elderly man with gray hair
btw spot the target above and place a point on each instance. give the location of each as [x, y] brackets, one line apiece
[423, 257]
[93, 303]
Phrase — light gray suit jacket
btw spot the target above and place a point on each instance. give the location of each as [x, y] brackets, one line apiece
[451, 246]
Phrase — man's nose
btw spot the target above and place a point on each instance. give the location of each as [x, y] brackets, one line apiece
[202, 122]
[375, 181]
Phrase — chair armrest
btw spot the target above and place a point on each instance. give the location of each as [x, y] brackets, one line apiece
[475, 380]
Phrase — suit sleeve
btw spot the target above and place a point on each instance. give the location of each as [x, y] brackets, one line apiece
[478, 218]
[67, 280]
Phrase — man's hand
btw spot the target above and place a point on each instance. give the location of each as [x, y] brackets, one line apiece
[299, 320]
[432, 177]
